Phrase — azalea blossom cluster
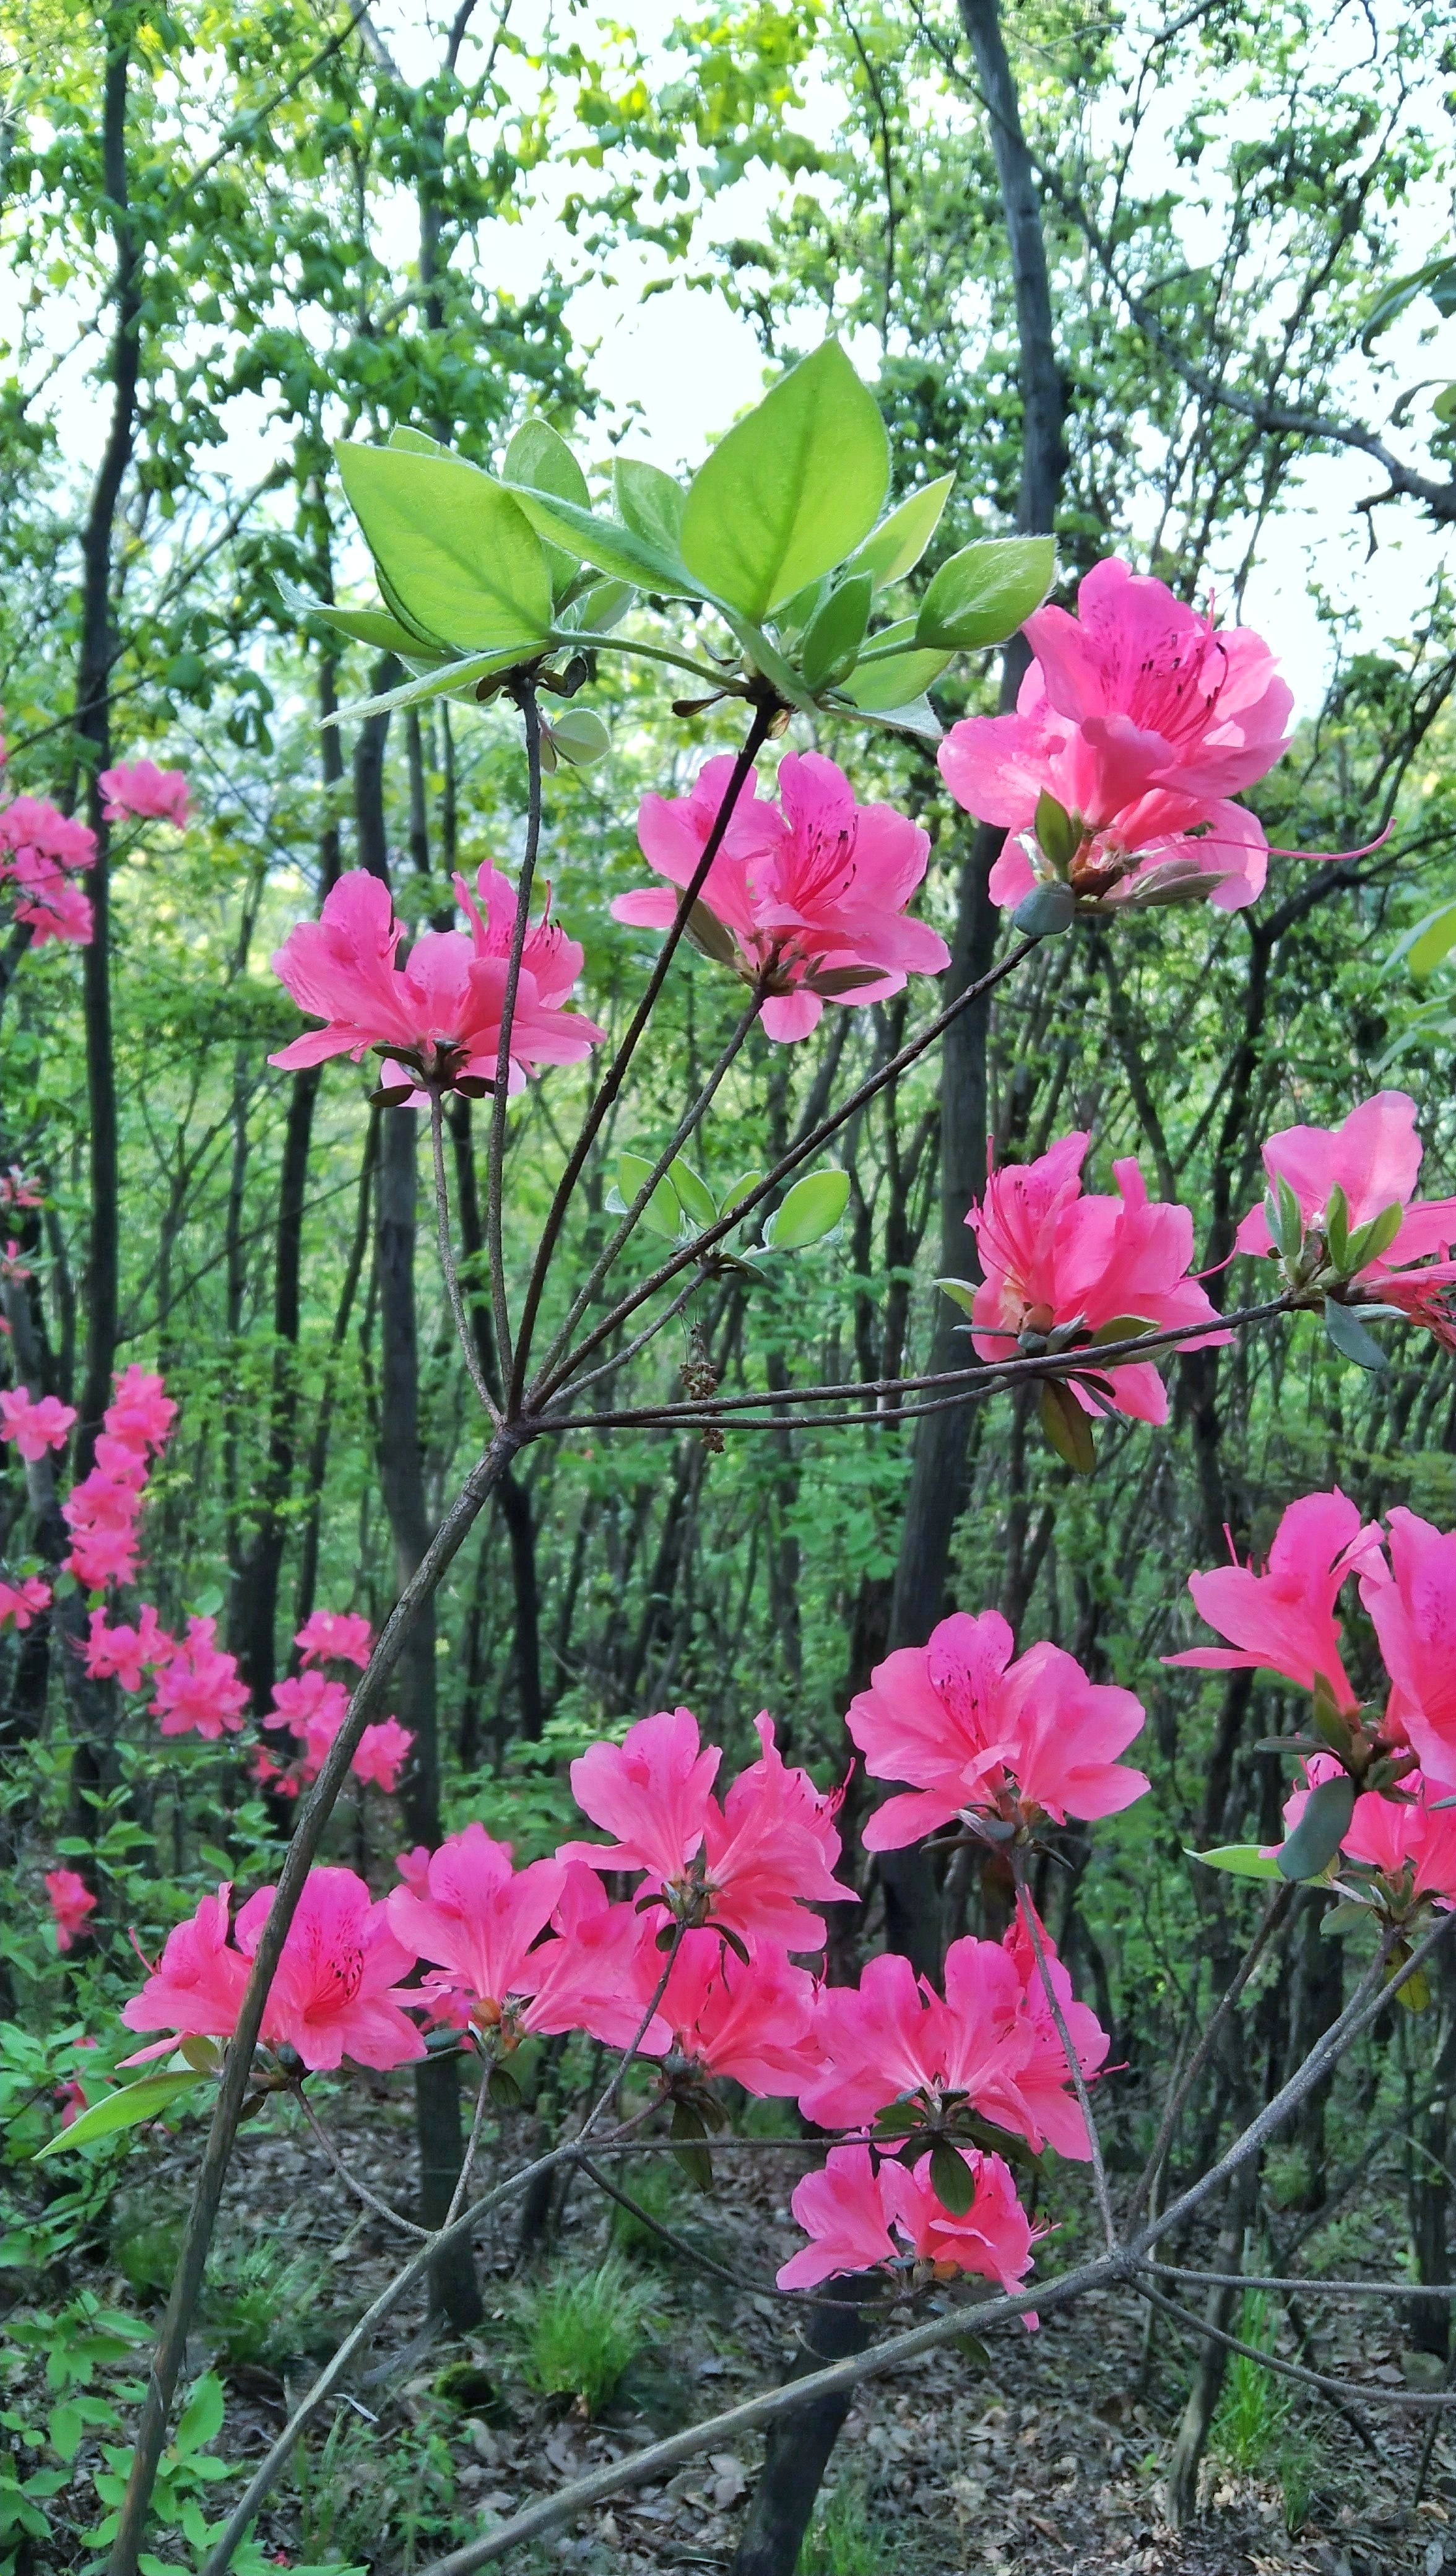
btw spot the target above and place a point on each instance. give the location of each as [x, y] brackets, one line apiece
[436, 1017]
[1138, 722]
[102, 1511]
[697, 1973]
[42, 850]
[1399, 1748]
[312, 1707]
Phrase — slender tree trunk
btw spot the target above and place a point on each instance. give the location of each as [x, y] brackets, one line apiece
[937, 1476]
[93, 727]
[799, 2444]
[453, 2288]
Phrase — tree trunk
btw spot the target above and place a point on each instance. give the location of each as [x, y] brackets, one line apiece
[796, 2454]
[1208, 2375]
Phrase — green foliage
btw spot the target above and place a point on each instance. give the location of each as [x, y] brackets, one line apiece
[845, 2538]
[791, 490]
[578, 2331]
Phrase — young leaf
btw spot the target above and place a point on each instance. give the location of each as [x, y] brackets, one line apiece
[1374, 1238]
[1067, 1427]
[738, 1191]
[889, 680]
[917, 717]
[1350, 1337]
[1320, 1830]
[200, 2421]
[951, 2178]
[416, 441]
[1122, 1328]
[1289, 1232]
[144, 2100]
[985, 592]
[662, 1213]
[687, 2132]
[707, 933]
[810, 1210]
[1423, 948]
[597, 609]
[457, 550]
[650, 503]
[791, 490]
[1337, 1226]
[540, 459]
[364, 625]
[697, 1199]
[1241, 1860]
[1056, 834]
[961, 1292]
[580, 737]
[613, 549]
[897, 544]
[835, 634]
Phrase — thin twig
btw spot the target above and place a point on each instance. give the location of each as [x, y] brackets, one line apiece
[496, 1152]
[1074, 2063]
[1275, 1912]
[457, 2197]
[463, 1333]
[351, 2182]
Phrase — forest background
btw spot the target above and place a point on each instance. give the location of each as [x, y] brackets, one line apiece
[233, 235]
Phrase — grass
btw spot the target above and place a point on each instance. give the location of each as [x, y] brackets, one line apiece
[1254, 2430]
[580, 2330]
[843, 2539]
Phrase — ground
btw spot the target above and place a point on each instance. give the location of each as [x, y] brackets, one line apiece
[1050, 2461]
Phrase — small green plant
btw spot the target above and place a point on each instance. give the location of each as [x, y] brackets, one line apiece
[657, 2189]
[843, 2539]
[579, 2330]
[1298, 2478]
[1253, 2410]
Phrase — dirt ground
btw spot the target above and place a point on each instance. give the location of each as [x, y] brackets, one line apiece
[1050, 2461]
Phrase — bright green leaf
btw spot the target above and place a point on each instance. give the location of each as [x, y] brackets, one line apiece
[1241, 1860]
[791, 490]
[892, 680]
[144, 2100]
[899, 541]
[650, 503]
[609, 545]
[835, 633]
[540, 459]
[364, 625]
[985, 592]
[1423, 948]
[961, 1292]
[456, 548]
[697, 1199]
[810, 1210]
[661, 1213]
[580, 737]
[200, 2421]
[1067, 1427]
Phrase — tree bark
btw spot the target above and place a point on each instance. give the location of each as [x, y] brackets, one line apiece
[799, 2443]
[937, 1476]
[93, 728]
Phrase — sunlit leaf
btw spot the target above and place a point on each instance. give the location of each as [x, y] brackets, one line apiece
[791, 490]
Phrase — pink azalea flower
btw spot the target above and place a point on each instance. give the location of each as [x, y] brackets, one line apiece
[33, 830]
[104, 1540]
[71, 2095]
[846, 2211]
[17, 1192]
[141, 1413]
[140, 788]
[55, 910]
[312, 1709]
[71, 1902]
[126, 1654]
[382, 1753]
[414, 1869]
[1412, 1605]
[334, 1994]
[197, 1986]
[479, 1921]
[1283, 1620]
[746, 1864]
[992, 2040]
[440, 1013]
[602, 1973]
[812, 891]
[200, 1690]
[35, 1424]
[992, 2239]
[1052, 1256]
[752, 2021]
[335, 1636]
[23, 1602]
[1375, 1158]
[974, 1731]
[1141, 719]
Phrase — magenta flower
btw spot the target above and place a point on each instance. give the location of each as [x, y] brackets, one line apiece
[35, 1423]
[39, 848]
[979, 1734]
[141, 789]
[200, 1691]
[1283, 1620]
[1375, 1159]
[23, 1602]
[381, 1754]
[891, 2038]
[745, 1865]
[124, 1654]
[1141, 719]
[812, 891]
[1052, 1256]
[602, 1973]
[329, 1636]
[333, 1995]
[1412, 1605]
[439, 1015]
[71, 1901]
[141, 1413]
[479, 1922]
[750, 2020]
[850, 2208]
